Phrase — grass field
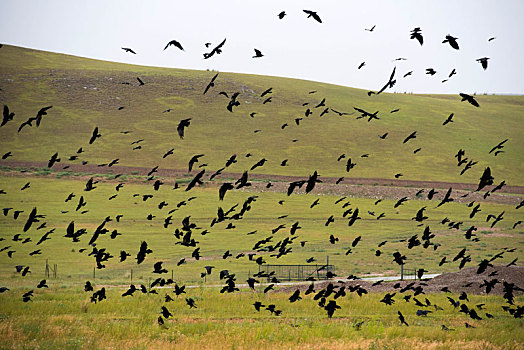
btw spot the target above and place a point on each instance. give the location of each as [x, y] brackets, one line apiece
[87, 93]
[397, 225]
[64, 318]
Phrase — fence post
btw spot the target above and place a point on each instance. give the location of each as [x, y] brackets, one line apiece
[131, 275]
[402, 272]
[46, 272]
[94, 272]
[54, 272]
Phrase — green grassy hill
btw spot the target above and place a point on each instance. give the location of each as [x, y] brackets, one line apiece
[86, 93]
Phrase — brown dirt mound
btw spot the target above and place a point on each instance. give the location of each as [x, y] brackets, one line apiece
[466, 280]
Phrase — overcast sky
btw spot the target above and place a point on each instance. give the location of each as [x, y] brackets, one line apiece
[295, 46]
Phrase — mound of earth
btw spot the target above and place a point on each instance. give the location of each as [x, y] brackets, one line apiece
[466, 280]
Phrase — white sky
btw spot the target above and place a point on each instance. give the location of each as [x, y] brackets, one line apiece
[296, 46]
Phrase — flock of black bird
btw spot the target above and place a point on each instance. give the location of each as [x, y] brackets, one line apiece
[184, 233]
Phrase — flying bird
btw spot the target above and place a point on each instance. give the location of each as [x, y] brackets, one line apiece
[184, 123]
[94, 136]
[54, 159]
[233, 102]
[499, 146]
[402, 319]
[391, 82]
[144, 250]
[223, 189]
[413, 135]
[452, 41]
[7, 116]
[174, 43]
[314, 15]
[260, 163]
[258, 54]
[196, 180]
[217, 50]
[484, 62]
[486, 179]
[282, 14]
[211, 84]
[193, 160]
[416, 34]
[127, 49]
[469, 98]
[449, 119]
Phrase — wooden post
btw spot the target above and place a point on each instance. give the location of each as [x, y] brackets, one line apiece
[54, 272]
[402, 272]
[94, 269]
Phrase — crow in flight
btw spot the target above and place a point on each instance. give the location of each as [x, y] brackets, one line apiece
[127, 49]
[174, 43]
[391, 82]
[217, 50]
[484, 62]
[183, 124]
[211, 83]
[94, 136]
[416, 34]
[314, 15]
[258, 54]
[7, 116]
[452, 41]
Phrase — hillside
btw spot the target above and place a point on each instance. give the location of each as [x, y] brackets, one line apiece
[87, 93]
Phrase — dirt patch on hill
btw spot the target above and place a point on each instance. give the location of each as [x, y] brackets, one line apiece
[356, 187]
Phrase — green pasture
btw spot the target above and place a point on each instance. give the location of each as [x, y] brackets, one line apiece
[47, 194]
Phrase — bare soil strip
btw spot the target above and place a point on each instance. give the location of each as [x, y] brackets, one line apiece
[359, 187]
